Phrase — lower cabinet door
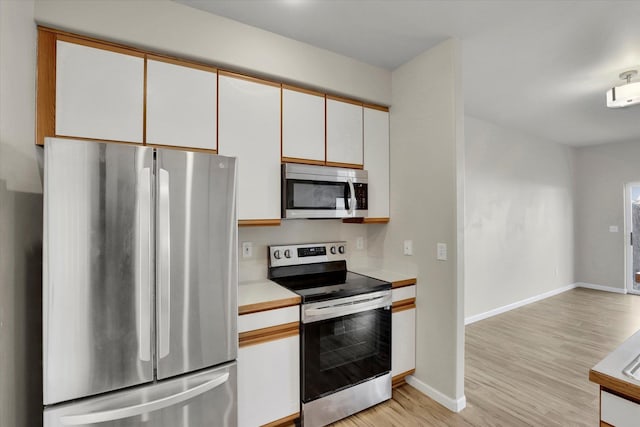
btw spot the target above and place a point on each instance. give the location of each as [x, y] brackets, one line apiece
[403, 341]
[268, 381]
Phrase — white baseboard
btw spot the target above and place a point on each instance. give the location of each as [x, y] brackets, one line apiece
[601, 288]
[508, 307]
[449, 403]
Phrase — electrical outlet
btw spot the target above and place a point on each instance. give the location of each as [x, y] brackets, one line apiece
[359, 242]
[441, 251]
[247, 249]
[408, 247]
[613, 229]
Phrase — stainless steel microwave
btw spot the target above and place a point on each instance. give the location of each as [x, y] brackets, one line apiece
[323, 192]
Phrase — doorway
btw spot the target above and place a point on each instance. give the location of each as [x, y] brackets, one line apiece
[632, 234]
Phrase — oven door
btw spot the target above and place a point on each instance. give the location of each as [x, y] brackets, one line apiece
[345, 342]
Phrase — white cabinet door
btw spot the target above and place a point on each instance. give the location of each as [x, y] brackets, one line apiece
[302, 125]
[344, 132]
[268, 381]
[403, 341]
[249, 128]
[376, 160]
[181, 105]
[99, 93]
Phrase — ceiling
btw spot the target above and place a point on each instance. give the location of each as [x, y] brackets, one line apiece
[541, 67]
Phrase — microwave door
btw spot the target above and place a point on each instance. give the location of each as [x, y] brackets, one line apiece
[196, 261]
[97, 268]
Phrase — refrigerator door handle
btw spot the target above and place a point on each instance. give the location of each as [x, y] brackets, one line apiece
[143, 276]
[164, 263]
[143, 408]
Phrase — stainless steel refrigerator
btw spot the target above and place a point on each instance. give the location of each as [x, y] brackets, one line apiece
[139, 286]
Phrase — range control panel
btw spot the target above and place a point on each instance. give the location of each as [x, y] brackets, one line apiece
[308, 253]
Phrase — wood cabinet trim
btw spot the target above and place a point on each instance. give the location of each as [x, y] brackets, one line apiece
[181, 62]
[45, 86]
[269, 305]
[110, 141]
[380, 220]
[248, 78]
[401, 378]
[403, 283]
[346, 100]
[605, 424]
[100, 45]
[615, 386]
[343, 165]
[259, 222]
[272, 333]
[302, 161]
[376, 107]
[303, 90]
[402, 305]
[175, 147]
[289, 421]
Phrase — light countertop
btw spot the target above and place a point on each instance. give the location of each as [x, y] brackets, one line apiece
[608, 373]
[260, 295]
[397, 279]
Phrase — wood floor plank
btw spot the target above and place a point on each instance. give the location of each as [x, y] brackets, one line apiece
[526, 367]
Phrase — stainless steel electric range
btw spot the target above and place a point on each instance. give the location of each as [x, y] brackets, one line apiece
[345, 330]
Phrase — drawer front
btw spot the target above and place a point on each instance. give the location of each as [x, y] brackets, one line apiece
[617, 411]
[405, 292]
[268, 318]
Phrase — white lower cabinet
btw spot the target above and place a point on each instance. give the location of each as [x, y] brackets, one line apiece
[403, 331]
[269, 366]
[617, 411]
[403, 341]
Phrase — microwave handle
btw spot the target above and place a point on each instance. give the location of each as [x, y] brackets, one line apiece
[352, 201]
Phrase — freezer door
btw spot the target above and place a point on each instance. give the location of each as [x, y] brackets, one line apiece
[98, 268]
[207, 398]
[196, 261]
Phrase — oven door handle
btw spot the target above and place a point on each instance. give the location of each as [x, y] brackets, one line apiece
[338, 310]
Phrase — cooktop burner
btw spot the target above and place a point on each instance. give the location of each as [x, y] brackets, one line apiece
[318, 272]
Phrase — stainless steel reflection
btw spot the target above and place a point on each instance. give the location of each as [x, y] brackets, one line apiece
[95, 306]
[314, 312]
[632, 370]
[197, 328]
[336, 406]
[194, 400]
[324, 173]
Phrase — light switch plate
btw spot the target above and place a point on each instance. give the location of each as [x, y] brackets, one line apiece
[247, 249]
[613, 229]
[441, 251]
[408, 247]
[359, 242]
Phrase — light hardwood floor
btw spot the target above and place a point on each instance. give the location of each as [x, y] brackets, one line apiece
[526, 367]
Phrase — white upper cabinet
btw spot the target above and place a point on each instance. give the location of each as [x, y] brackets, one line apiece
[181, 105]
[99, 93]
[344, 132]
[376, 160]
[249, 128]
[302, 125]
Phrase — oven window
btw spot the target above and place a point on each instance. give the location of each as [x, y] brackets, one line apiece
[344, 351]
[316, 195]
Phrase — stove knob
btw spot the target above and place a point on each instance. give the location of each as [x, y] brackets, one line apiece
[287, 253]
[341, 249]
[333, 250]
[276, 254]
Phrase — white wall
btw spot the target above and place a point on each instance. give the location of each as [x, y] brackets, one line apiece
[173, 28]
[601, 173]
[519, 217]
[20, 221]
[425, 158]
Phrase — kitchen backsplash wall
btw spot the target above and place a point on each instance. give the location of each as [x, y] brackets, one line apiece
[301, 231]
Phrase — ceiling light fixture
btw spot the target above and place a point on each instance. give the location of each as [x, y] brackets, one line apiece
[626, 95]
